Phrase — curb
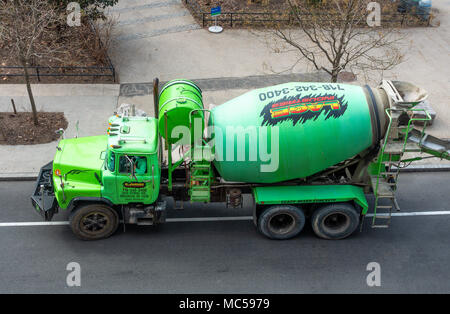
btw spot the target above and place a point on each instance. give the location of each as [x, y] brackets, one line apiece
[60, 90]
[32, 176]
[19, 176]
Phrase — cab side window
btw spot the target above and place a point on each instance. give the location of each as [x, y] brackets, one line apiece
[126, 163]
[111, 159]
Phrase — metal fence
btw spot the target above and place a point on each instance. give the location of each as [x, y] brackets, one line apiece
[261, 18]
[61, 71]
[234, 18]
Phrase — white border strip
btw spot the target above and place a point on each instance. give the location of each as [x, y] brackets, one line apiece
[199, 219]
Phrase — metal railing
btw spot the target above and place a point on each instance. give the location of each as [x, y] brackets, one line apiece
[234, 18]
[63, 71]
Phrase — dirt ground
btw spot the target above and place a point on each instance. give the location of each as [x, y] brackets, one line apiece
[77, 47]
[19, 129]
[255, 5]
[242, 5]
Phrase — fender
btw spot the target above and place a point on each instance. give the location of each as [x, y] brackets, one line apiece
[89, 199]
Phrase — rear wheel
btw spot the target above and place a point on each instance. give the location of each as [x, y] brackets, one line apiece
[335, 221]
[94, 221]
[281, 222]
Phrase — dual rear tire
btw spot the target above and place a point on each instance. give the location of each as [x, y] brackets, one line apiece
[332, 221]
[281, 222]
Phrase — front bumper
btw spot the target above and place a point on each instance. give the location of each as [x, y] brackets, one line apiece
[43, 198]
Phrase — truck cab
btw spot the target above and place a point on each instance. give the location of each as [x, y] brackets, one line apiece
[131, 171]
[104, 179]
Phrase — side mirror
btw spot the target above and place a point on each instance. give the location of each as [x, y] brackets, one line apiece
[60, 132]
[103, 155]
[132, 170]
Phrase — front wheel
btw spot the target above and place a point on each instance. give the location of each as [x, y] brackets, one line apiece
[281, 222]
[335, 221]
[93, 221]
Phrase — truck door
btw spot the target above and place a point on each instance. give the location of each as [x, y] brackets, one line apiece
[134, 186]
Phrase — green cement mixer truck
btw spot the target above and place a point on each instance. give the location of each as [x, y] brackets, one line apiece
[302, 151]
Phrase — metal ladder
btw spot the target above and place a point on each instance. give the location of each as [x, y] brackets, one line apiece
[384, 183]
[200, 181]
[201, 173]
[395, 144]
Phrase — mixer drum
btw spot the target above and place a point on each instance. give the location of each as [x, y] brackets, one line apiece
[318, 126]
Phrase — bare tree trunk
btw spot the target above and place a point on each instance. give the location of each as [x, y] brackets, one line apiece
[334, 77]
[30, 92]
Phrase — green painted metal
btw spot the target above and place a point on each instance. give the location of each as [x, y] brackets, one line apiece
[81, 167]
[75, 164]
[137, 137]
[319, 124]
[295, 194]
[200, 181]
[132, 134]
[177, 99]
[123, 188]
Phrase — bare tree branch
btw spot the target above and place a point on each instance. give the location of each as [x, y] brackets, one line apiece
[333, 36]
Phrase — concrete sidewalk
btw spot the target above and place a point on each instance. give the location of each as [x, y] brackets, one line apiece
[92, 112]
[63, 90]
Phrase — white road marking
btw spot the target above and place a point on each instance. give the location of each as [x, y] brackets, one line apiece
[29, 224]
[194, 219]
[430, 213]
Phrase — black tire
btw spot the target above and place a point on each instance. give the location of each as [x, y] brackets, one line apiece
[281, 222]
[93, 221]
[335, 221]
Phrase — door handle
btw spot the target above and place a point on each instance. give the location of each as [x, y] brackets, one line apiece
[153, 177]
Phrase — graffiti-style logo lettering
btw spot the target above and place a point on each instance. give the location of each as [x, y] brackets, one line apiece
[138, 185]
[300, 109]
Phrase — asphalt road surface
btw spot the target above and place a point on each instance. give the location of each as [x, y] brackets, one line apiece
[230, 256]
